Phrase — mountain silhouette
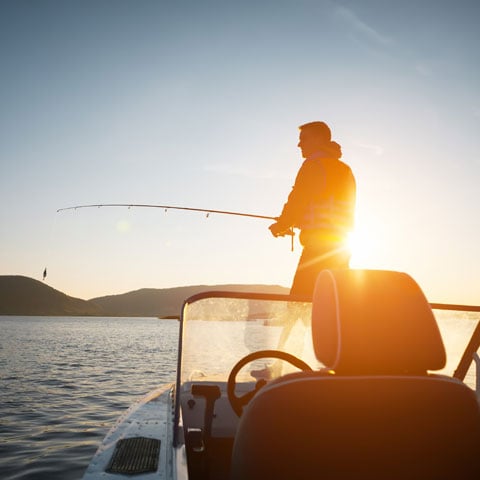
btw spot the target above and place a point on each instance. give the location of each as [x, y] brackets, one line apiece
[167, 301]
[21, 295]
[26, 296]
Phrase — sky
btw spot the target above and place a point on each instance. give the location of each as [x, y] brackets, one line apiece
[198, 104]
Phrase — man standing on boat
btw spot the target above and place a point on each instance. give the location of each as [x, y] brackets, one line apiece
[322, 205]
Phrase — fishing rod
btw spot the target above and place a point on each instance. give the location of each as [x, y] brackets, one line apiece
[208, 211]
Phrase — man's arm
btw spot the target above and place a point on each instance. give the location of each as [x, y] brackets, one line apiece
[295, 206]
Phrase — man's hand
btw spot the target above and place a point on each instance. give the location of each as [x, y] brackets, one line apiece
[278, 230]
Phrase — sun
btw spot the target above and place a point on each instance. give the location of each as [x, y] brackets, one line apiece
[361, 246]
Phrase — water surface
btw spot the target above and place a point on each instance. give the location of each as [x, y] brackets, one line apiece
[64, 382]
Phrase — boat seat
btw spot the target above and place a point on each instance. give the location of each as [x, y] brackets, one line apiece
[376, 412]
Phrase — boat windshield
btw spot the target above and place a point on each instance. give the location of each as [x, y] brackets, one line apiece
[460, 329]
[220, 328]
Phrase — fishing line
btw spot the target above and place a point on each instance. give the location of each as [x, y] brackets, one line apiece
[50, 243]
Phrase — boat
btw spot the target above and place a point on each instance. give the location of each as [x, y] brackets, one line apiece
[371, 383]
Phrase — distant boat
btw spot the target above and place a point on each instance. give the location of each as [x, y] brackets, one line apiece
[169, 317]
[353, 398]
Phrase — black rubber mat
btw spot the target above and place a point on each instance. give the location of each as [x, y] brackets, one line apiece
[135, 455]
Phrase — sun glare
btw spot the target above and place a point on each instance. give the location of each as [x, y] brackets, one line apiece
[362, 249]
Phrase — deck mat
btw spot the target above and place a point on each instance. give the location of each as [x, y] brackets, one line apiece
[135, 455]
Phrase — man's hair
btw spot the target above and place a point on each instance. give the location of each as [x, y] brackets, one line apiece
[319, 129]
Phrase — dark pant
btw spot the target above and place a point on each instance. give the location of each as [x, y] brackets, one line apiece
[313, 260]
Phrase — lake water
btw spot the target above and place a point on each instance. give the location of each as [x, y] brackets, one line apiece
[65, 380]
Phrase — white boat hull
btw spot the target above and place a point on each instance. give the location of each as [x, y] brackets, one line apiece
[150, 418]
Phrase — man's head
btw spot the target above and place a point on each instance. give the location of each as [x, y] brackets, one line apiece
[313, 136]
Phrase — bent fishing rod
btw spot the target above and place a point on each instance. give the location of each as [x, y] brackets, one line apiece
[208, 211]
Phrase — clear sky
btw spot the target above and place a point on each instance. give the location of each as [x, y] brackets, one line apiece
[197, 103]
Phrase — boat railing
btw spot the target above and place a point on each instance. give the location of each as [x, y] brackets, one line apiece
[470, 353]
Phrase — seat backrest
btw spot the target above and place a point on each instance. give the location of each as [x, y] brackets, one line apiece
[389, 421]
[374, 321]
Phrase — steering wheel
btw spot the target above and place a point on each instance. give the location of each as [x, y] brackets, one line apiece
[238, 403]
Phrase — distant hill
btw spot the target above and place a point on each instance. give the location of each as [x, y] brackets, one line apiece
[148, 302]
[25, 296]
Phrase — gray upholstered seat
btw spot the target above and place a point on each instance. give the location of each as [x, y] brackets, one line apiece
[379, 413]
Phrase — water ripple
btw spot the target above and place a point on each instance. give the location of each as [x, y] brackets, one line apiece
[65, 381]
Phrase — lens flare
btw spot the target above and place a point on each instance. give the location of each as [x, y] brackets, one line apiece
[123, 226]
